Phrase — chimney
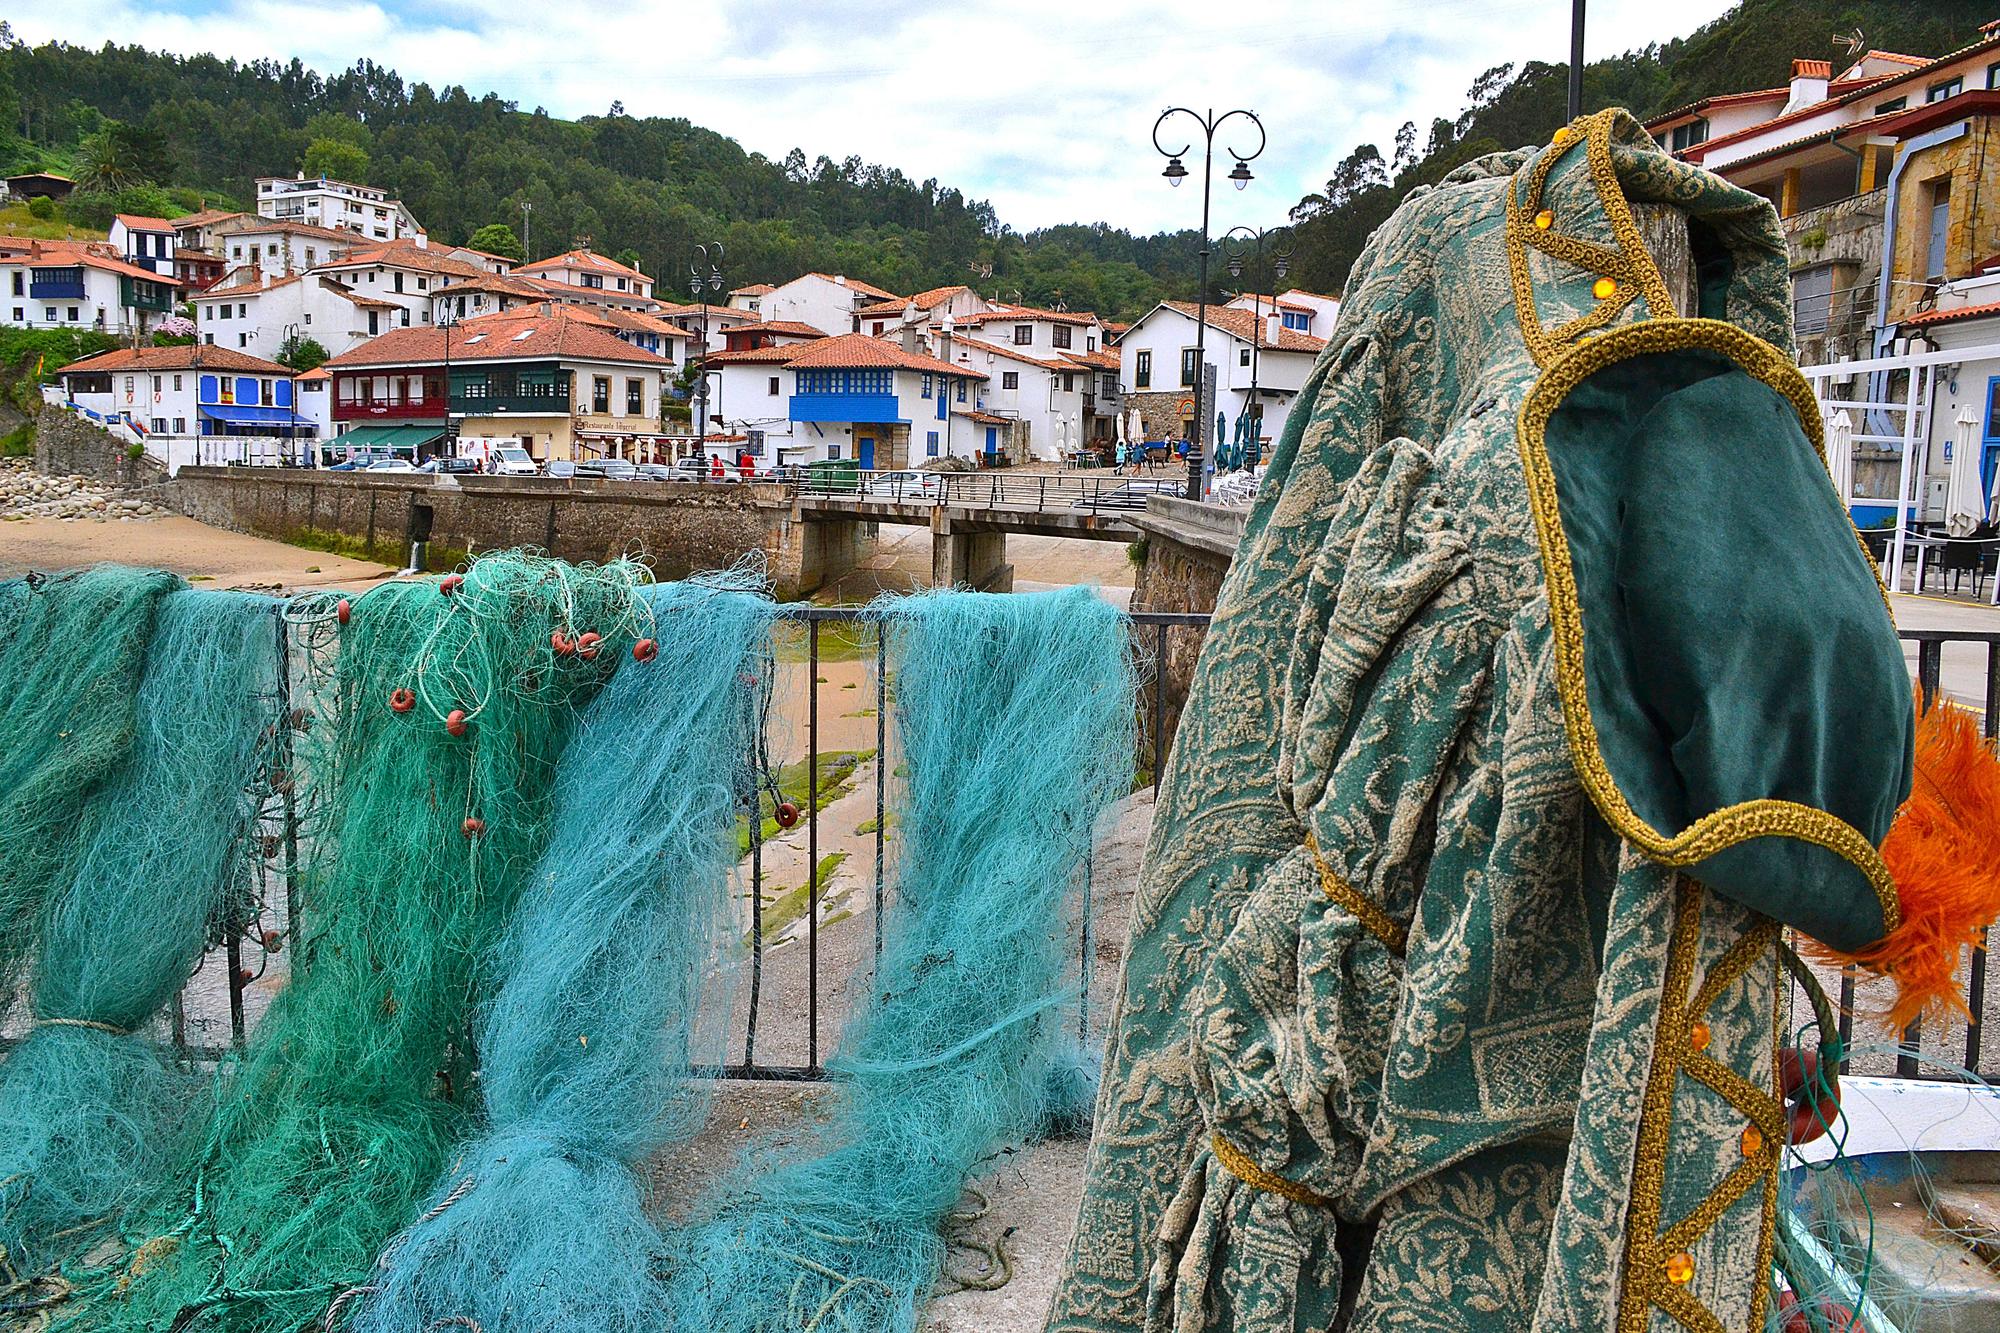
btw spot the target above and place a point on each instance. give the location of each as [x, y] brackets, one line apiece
[1274, 324]
[911, 338]
[840, 279]
[1809, 80]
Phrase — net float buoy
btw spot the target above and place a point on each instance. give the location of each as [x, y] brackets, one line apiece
[454, 722]
[586, 644]
[787, 814]
[645, 650]
[562, 644]
[473, 826]
[343, 610]
[244, 976]
[402, 699]
[274, 941]
[451, 583]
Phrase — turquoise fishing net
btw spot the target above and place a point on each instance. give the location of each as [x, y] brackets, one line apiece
[89, 1102]
[358, 1081]
[1016, 716]
[72, 654]
[587, 1043]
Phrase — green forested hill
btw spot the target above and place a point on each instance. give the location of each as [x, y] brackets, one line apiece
[157, 131]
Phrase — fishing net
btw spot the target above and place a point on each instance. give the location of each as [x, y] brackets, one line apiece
[438, 724]
[72, 654]
[587, 1044]
[1015, 714]
[88, 1102]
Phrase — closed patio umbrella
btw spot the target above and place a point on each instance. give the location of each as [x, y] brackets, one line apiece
[1840, 454]
[1965, 495]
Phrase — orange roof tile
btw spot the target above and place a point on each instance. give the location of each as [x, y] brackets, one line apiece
[189, 356]
[581, 259]
[528, 333]
[139, 222]
[929, 300]
[858, 351]
[1242, 324]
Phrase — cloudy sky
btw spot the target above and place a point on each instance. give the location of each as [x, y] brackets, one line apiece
[1045, 107]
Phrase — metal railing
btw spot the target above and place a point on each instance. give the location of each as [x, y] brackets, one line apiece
[1093, 491]
[1924, 1054]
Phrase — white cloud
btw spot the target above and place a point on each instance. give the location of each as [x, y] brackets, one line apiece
[1043, 106]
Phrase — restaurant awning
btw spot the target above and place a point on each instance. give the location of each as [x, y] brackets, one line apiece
[397, 438]
[245, 415]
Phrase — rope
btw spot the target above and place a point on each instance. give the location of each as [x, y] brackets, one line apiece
[90, 1023]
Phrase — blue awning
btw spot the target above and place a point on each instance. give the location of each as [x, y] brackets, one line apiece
[256, 416]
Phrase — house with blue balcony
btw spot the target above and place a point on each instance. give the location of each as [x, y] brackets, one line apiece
[848, 397]
[195, 403]
[84, 285]
[144, 242]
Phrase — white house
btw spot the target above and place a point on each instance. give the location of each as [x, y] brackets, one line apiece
[718, 320]
[588, 278]
[276, 247]
[315, 395]
[1045, 394]
[1157, 368]
[925, 311]
[195, 403]
[254, 311]
[321, 202]
[1299, 310]
[144, 242]
[831, 302]
[750, 298]
[850, 397]
[84, 285]
[403, 274]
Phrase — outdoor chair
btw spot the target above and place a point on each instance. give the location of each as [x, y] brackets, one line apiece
[1958, 557]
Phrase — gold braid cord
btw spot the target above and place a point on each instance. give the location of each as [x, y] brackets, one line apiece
[1238, 1164]
[1720, 829]
[1362, 908]
[1659, 1265]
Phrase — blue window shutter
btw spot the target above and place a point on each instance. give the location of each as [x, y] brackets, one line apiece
[281, 393]
[932, 444]
[207, 391]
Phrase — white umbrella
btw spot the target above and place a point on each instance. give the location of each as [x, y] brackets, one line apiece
[1964, 497]
[1840, 454]
[1136, 432]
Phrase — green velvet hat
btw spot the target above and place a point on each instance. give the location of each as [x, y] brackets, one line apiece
[1733, 690]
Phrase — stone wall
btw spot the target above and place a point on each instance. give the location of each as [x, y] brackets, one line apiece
[69, 445]
[1189, 546]
[679, 527]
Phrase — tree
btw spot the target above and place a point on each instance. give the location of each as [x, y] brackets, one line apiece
[300, 353]
[341, 161]
[112, 159]
[497, 238]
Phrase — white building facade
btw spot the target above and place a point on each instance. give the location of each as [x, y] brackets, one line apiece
[194, 404]
[1158, 369]
[342, 205]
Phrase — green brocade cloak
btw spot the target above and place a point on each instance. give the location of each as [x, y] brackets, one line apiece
[1451, 996]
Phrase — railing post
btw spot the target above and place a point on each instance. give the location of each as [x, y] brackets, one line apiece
[812, 845]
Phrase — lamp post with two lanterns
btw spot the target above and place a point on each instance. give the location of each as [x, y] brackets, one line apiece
[700, 283]
[1175, 173]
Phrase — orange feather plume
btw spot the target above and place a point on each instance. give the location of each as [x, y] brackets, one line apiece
[1944, 853]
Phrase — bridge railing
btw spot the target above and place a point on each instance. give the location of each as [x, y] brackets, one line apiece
[1043, 492]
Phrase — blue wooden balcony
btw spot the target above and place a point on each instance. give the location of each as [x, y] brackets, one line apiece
[878, 409]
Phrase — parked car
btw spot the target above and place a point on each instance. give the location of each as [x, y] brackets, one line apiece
[457, 466]
[512, 461]
[905, 486]
[357, 460]
[559, 467]
[610, 469]
[658, 472]
[392, 465]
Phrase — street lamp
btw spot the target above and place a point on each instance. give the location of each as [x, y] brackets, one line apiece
[700, 284]
[1175, 173]
[445, 324]
[1236, 243]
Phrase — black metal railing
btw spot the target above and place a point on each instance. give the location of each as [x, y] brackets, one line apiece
[1092, 491]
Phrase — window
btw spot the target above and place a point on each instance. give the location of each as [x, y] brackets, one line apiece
[1812, 299]
[398, 279]
[1937, 92]
[927, 386]
[177, 384]
[1010, 379]
[1243, 356]
[600, 393]
[1142, 371]
[236, 252]
[621, 284]
[158, 383]
[592, 280]
[160, 425]
[878, 327]
[1024, 335]
[1940, 224]
[1069, 382]
[129, 384]
[1187, 366]
[771, 386]
[312, 256]
[1060, 335]
[931, 444]
[49, 314]
[1993, 75]
[374, 322]
[73, 316]
[833, 453]
[18, 275]
[1688, 135]
[1090, 342]
[242, 340]
[1893, 105]
[180, 426]
[309, 318]
[961, 389]
[635, 398]
[242, 310]
[423, 283]
[20, 315]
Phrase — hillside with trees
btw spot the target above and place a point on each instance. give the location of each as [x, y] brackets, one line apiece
[149, 132]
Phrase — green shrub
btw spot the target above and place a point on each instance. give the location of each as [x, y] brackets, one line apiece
[18, 442]
[135, 451]
[42, 207]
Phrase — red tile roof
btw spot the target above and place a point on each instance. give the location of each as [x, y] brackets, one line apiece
[788, 328]
[754, 356]
[139, 222]
[253, 225]
[858, 351]
[582, 259]
[1946, 316]
[529, 333]
[929, 300]
[407, 254]
[208, 217]
[89, 254]
[1011, 353]
[1102, 360]
[191, 356]
[754, 289]
[1242, 324]
[866, 289]
[505, 284]
[1020, 313]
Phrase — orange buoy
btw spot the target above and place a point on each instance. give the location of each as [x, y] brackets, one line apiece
[274, 941]
[451, 583]
[787, 814]
[342, 610]
[473, 826]
[454, 722]
[244, 976]
[645, 650]
[402, 699]
[586, 644]
[562, 643]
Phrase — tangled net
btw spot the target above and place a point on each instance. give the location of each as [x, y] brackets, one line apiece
[587, 1043]
[72, 652]
[961, 1042]
[89, 1103]
[357, 1083]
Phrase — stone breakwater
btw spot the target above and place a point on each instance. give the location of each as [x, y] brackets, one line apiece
[26, 494]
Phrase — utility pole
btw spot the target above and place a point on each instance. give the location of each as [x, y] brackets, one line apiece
[527, 210]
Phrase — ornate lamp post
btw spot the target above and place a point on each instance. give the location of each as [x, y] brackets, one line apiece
[1236, 243]
[1175, 173]
[700, 284]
